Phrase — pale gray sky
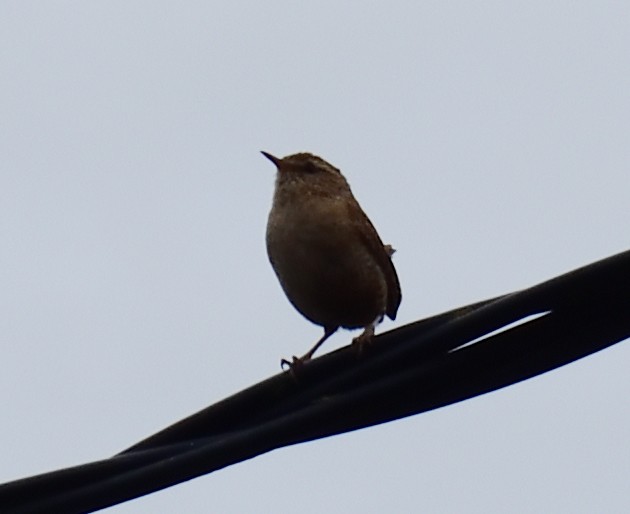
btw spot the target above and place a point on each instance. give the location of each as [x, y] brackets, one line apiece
[488, 141]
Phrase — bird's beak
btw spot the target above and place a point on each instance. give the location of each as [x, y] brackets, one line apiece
[272, 158]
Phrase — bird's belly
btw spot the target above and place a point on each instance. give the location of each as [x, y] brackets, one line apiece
[328, 275]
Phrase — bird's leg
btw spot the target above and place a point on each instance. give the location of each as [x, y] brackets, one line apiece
[298, 361]
[364, 339]
[327, 333]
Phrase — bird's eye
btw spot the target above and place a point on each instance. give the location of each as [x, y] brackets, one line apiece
[311, 167]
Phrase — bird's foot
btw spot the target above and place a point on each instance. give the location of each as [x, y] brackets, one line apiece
[294, 364]
[364, 340]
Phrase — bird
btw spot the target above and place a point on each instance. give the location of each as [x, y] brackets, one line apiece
[327, 255]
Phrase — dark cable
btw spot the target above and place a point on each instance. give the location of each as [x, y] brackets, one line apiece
[422, 366]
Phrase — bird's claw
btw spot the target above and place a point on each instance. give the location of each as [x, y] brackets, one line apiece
[293, 365]
[363, 341]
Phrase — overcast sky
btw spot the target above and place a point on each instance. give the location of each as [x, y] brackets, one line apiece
[488, 142]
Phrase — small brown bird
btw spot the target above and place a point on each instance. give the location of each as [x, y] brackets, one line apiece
[328, 257]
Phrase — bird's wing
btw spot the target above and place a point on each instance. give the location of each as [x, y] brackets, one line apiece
[371, 239]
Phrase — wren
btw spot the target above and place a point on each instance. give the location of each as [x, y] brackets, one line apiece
[329, 259]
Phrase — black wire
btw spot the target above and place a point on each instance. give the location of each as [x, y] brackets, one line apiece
[419, 367]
